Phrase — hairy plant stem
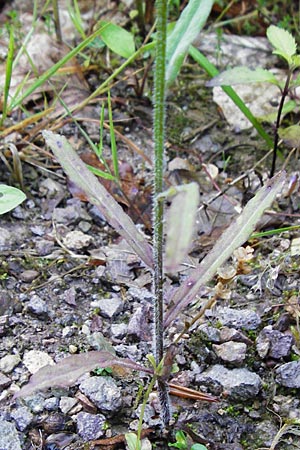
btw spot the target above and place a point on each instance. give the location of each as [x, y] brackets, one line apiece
[276, 137]
[158, 206]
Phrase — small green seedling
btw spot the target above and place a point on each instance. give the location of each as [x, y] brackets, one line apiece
[284, 46]
[10, 198]
[181, 442]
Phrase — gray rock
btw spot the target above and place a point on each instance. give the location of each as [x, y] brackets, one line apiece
[90, 426]
[104, 392]
[44, 247]
[9, 362]
[70, 214]
[6, 303]
[51, 404]
[76, 240]
[4, 381]
[67, 403]
[29, 275]
[109, 307]
[139, 323]
[9, 438]
[245, 318]
[140, 294]
[36, 359]
[273, 343]
[240, 384]
[119, 330]
[288, 374]
[37, 306]
[5, 239]
[211, 333]
[23, 417]
[231, 334]
[231, 352]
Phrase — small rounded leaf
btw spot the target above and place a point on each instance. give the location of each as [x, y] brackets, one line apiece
[290, 136]
[10, 198]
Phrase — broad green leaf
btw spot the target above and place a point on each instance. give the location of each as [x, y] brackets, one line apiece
[242, 75]
[290, 136]
[132, 441]
[180, 225]
[10, 198]
[98, 195]
[117, 39]
[67, 371]
[235, 236]
[283, 42]
[188, 26]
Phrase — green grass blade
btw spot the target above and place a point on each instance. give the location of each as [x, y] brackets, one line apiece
[272, 232]
[50, 72]
[212, 72]
[8, 72]
[113, 145]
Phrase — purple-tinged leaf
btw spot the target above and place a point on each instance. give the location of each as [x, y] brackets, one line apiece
[98, 195]
[235, 236]
[67, 371]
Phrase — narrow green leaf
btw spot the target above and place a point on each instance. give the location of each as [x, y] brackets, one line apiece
[10, 198]
[188, 26]
[290, 136]
[180, 225]
[242, 75]
[283, 42]
[235, 235]
[98, 195]
[117, 39]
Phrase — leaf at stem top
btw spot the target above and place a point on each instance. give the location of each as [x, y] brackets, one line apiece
[283, 42]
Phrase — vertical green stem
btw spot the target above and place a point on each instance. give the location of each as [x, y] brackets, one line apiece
[158, 207]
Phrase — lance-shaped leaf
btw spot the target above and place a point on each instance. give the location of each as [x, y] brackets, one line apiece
[98, 195]
[67, 371]
[242, 75]
[180, 224]
[235, 235]
[189, 24]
